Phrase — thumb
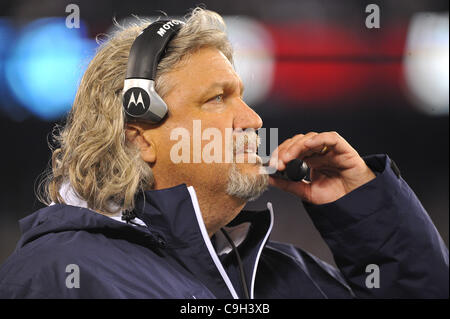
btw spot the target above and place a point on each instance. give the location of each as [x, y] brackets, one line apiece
[302, 189]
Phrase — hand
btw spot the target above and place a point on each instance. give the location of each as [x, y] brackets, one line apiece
[336, 167]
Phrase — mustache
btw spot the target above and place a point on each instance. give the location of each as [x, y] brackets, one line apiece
[246, 140]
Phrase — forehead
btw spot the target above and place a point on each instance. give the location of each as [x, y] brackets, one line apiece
[205, 66]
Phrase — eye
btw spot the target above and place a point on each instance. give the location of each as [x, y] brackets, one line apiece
[217, 99]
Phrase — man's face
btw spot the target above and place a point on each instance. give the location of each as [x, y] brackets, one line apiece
[206, 88]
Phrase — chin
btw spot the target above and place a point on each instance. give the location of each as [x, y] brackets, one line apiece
[246, 182]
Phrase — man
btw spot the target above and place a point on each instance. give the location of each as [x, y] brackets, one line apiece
[126, 220]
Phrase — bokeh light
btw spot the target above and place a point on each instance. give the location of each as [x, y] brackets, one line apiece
[426, 62]
[45, 65]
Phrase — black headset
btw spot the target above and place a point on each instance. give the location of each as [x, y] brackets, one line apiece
[140, 100]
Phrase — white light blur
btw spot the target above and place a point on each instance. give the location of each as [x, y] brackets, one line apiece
[426, 63]
[253, 56]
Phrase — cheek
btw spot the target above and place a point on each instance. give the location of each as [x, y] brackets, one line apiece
[217, 142]
[205, 138]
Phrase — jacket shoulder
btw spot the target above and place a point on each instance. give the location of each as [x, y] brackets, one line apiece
[326, 278]
[40, 268]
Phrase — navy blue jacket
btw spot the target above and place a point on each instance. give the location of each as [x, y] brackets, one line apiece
[381, 223]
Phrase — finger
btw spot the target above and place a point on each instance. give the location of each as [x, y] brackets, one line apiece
[330, 161]
[319, 150]
[281, 156]
[274, 156]
[275, 160]
[330, 139]
[301, 189]
[297, 148]
[321, 162]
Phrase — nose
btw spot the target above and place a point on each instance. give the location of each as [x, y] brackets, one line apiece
[246, 118]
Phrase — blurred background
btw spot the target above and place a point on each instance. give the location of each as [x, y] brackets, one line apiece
[308, 65]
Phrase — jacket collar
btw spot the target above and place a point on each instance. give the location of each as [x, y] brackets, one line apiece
[173, 216]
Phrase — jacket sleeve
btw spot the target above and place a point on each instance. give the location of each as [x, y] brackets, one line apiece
[383, 240]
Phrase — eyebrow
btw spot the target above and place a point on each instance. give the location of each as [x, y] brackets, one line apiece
[223, 85]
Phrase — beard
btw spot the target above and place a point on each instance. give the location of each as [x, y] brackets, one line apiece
[246, 186]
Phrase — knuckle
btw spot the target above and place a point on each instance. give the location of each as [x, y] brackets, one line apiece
[288, 140]
[286, 143]
[283, 144]
[335, 133]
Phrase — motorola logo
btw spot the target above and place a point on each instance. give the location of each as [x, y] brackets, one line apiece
[167, 26]
[136, 101]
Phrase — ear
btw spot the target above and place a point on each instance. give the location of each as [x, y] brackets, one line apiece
[142, 139]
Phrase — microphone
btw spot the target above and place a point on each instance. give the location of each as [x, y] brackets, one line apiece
[295, 171]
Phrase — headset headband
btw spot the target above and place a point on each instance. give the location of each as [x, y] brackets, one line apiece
[140, 100]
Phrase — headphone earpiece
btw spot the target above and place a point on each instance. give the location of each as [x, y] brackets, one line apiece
[140, 100]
